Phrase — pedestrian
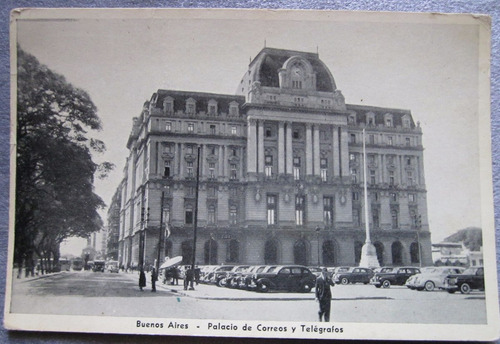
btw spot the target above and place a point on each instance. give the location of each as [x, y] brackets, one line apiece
[197, 273]
[324, 295]
[188, 279]
[142, 279]
[154, 277]
[175, 276]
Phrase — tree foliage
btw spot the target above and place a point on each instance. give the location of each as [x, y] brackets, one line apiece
[55, 196]
[471, 237]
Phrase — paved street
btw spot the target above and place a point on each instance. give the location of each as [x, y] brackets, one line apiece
[88, 293]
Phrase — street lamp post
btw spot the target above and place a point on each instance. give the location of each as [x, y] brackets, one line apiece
[317, 236]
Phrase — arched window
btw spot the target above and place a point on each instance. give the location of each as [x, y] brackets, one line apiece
[397, 253]
[187, 252]
[414, 253]
[358, 247]
[271, 252]
[379, 247]
[328, 253]
[210, 252]
[299, 252]
[233, 251]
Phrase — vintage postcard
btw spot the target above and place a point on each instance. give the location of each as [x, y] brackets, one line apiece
[252, 173]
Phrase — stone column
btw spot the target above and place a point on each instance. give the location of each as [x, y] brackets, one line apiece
[252, 146]
[336, 155]
[317, 154]
[260, 144]
[181, 160]
[220, 172]
[309, 150]
[381, 168]
[225, 163]
[281, 148]
[289, 149]
[344, 150]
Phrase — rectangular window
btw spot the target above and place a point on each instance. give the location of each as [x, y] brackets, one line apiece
[190, 127]
[234, 172]
[212, 215]
[233, 215]
[189, 170]
[233, 130]
[211, 110]
[268, 165]
[375, 217]
[188, 215]
[408, 142]
[168, 126]
[166, 170]
[212, 129]
[372, 139]
[354, 175]
[211, 170]
[353, 138]
[168, 107]
[372, 177]
[233, 111]
[391, 177]
[411, 198]
[328, 211]
[296, 134]
[296, 168]
[355, 196]
[300, 210]
[409, 178]
[394, 197]
[190, 108]
[269, 132]
[189, 149]
[324, 169]
[212, 191]
[352, 157]
[389, 140]
[355, 217]
[272, 211]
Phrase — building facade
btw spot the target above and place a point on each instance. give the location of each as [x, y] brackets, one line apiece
[281, 174]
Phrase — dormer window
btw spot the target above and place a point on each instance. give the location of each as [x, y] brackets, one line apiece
[370, 119]
[212, 107]
[297, 76]
[168, 105]
[233, 109]
[191, 106]
[406, 121]
[352, 119]
[388, 120]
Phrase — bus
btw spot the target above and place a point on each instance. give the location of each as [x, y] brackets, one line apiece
[77, 264]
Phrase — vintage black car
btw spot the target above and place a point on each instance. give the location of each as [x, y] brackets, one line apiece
[353, 275]
[296, 278]
[394, 276]
[471, 278]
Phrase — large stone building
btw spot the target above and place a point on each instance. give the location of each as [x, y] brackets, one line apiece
[281, 173]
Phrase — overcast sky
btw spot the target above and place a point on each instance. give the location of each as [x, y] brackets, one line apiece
[426, 65]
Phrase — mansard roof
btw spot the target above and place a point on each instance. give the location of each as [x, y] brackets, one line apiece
[201, 98]
[397, 114]
[269, 61]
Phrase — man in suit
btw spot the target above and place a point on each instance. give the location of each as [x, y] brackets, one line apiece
[324, 295]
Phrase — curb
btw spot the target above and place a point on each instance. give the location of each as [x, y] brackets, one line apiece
[20, 280]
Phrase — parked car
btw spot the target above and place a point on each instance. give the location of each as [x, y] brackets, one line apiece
[247, 281]
[235, 272]
[395, 276]
[219, 273]
[471, 278]
[290, 278]
[112, 266]
[207, 273]
[432, 277]
[98, 266]
[353, 275]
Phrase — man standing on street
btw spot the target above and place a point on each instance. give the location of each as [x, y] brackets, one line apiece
[154, 277]
[324, 295]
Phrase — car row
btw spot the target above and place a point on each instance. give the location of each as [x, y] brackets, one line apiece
[262, 278]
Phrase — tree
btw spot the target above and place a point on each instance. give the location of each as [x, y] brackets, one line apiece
[55, 196]
[470, 236]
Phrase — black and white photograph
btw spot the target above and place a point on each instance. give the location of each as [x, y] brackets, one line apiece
[252, 173]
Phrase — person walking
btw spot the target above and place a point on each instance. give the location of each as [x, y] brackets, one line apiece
[188, 279]
[154, 277]
[324, 295]
[142, 279]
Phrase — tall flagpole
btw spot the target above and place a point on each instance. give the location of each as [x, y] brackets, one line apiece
[368, 252]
